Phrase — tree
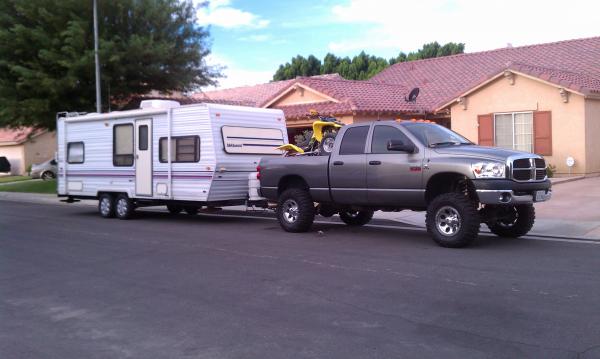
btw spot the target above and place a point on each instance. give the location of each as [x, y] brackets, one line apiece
[361, 66]
[47, 58]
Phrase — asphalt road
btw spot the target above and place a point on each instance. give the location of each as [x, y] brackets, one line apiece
[74, 285]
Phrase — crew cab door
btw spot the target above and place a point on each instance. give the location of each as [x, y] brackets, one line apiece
[347, 167]
[394, 178]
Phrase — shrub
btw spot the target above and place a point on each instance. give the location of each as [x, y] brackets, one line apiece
[551, 170]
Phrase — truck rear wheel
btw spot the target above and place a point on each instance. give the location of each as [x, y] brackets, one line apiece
[517, 221]
[356, 218]
[295, 210]
[452, 220]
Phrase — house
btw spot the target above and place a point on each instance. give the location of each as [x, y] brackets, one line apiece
[26, 146]
[541, 98]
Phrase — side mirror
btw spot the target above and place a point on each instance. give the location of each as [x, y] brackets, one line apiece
[397, 145]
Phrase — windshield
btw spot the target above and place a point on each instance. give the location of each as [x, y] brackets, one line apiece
[433, 135]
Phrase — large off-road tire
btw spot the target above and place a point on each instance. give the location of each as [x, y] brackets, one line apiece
[106, 205]
[295, 210]
[124, 207]
[327, 143]
[356, 218]
[174, 209]
[452, 220]
[515, 224]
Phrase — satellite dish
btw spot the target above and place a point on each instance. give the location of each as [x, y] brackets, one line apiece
[412, 96]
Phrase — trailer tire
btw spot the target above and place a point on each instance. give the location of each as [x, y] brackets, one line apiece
[124, 207]
[356, 218]
[106, 205]
[519, 225]
[295, 210]
[452, 220]
[174, 209]
[192, 211]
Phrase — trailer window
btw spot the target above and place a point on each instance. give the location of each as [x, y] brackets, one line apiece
[123, 145]
[183, 149]
[75, 152]
[143, 138]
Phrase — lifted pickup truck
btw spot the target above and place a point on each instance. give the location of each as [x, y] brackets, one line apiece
[392, 166]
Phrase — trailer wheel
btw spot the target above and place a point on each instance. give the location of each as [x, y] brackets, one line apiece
[516, 222]
[174, 209]
[295, 210]
[124, 207]
[452, 220]
[106, 205]
[356, 218]
[192, 211]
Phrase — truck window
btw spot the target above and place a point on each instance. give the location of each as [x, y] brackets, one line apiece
[382, 135]
[354, 141]
[123, 145]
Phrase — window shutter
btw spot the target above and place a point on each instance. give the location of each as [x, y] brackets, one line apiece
[486, 130]
[542, 133]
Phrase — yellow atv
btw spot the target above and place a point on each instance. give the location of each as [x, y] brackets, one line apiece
[324, 130]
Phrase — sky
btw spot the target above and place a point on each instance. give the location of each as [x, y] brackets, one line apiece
[252, 38]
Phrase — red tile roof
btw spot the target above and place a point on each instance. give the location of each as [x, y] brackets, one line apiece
[574, 64]
[15, 136]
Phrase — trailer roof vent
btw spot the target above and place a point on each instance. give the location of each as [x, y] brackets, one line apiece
[159, 104]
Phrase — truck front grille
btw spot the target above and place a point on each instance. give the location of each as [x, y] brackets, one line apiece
[528, 169]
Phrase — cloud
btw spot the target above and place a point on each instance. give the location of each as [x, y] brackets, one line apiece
[406, 26]
[236, 75]
[255, 38]
[221, 13]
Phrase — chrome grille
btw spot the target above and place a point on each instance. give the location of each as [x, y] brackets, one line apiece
[528, 169]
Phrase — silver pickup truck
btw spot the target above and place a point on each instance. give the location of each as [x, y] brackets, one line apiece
[392, 166]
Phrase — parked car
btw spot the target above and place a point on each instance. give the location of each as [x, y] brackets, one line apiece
[45, 170]
[420, 166]
[4, 164]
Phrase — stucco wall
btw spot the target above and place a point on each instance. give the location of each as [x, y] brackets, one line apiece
[14, 154]
[592, 133]
[568, 119]
[299, 96]
[40, 148]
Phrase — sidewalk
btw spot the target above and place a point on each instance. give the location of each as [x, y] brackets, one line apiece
[573, 211]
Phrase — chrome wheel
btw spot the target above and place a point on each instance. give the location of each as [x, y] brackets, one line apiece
[290, 211]
[447, 221]
[105, 206]
[328, 144]
[47, 176]
[122, 207]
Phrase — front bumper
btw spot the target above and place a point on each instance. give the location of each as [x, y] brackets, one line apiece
[510, 192]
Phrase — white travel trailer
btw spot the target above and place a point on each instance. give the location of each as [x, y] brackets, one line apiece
[184, 157]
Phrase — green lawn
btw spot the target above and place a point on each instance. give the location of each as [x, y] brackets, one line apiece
[31, 187]
[13, 178]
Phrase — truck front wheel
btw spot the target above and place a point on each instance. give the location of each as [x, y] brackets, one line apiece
[514, 221]
[356, 218]
[452, 220]
[295, 210]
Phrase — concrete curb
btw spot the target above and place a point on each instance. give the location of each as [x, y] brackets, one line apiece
[559, 180]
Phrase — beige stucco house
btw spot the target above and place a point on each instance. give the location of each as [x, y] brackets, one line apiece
[541, 98]
[26, 146]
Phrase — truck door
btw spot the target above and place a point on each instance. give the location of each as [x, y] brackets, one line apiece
[347, 168]
[394, 178]
[143, 157]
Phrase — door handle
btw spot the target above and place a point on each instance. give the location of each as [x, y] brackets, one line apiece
[374, 163]
[338, 163]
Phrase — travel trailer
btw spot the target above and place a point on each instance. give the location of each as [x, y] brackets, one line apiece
[184, 157]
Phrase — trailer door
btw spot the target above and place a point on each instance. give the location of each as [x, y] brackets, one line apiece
[143, 157]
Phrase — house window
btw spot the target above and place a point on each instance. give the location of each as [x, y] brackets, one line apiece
[123, 145]
[75, 152]
[183, 149]
[514, 131]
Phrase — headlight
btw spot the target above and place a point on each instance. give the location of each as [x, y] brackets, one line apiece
[488, 169]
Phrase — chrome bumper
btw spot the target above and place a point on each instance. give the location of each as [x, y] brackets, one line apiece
[494, 196]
